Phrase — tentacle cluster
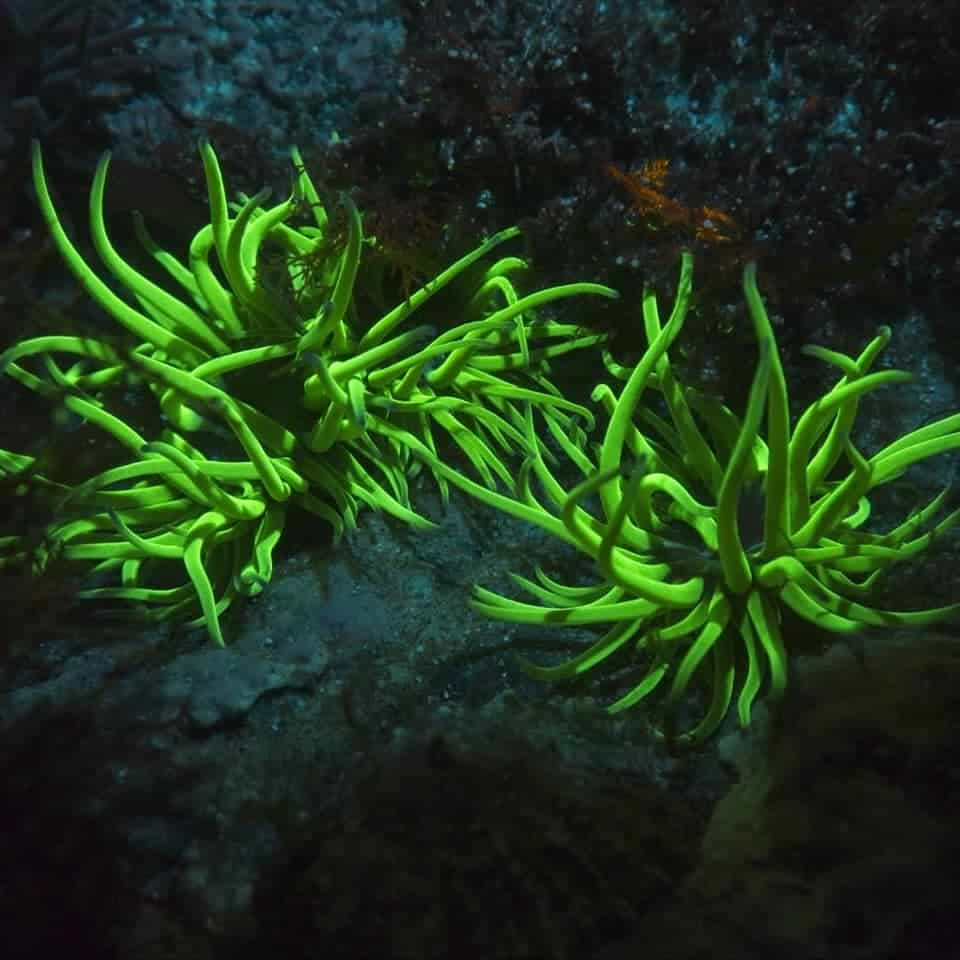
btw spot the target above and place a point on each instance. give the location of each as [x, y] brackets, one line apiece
[678, 578]
[270, 388]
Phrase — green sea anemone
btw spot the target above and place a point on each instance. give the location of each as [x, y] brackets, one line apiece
[703, 527]
[268, 387]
